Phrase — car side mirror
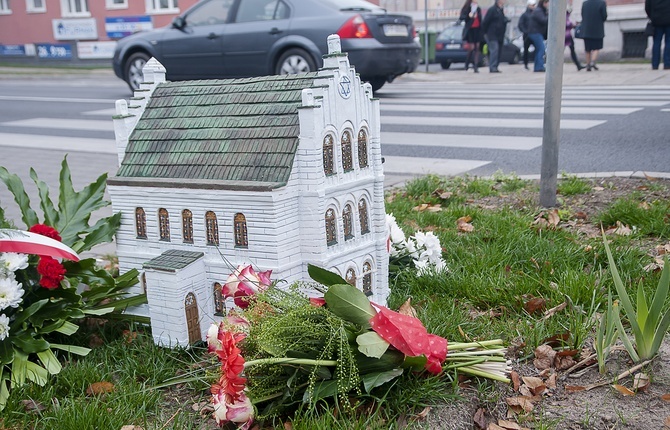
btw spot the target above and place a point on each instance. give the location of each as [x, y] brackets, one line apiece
[178, 22]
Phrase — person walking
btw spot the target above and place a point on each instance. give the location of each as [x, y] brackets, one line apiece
[569, 41]
[471, 15]
[524, 23]
[594, 15]
[537, 32]
[658, 12]
[493, 26]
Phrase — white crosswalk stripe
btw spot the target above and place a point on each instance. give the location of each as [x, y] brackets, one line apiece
[453, 119]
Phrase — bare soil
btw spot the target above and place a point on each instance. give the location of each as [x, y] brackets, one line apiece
[603, 407]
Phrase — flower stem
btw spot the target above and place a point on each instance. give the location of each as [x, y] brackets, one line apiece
[465, 345]
[493, 376]
[288, 360]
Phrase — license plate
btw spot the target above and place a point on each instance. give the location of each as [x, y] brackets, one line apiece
[395, 30]
[454, 46]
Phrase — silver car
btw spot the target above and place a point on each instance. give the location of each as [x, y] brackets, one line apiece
[242, 38]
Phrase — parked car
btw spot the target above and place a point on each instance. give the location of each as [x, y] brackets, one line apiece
[242, 38]
[450, 48]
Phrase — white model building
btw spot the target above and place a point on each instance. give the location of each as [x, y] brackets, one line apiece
[272, 171]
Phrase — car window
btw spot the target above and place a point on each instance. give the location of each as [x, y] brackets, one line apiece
[454, 32]
[261, 10]
[353, 5]
[209, 13]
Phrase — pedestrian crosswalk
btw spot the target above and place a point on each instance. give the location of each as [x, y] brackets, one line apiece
[447, 129]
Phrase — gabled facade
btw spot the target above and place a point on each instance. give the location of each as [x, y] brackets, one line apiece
[276, 171]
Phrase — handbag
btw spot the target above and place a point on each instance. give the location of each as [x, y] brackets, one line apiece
[649, 29]
[578, 31]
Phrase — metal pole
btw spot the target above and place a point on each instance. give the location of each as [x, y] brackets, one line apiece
[425, 33]
[553, 85]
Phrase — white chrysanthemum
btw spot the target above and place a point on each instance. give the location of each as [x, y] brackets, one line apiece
[10, 262]
[4, 327]
[410, 246]
[11, 293]
[395, 232]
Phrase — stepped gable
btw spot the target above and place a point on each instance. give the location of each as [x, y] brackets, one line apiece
[231, 132]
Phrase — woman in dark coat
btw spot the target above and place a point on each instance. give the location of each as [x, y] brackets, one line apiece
[537, 33]
[658, 12]
[569, 41]
[594, 15]
[471, 15]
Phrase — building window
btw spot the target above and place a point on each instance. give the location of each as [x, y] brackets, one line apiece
[348, 222]
[367, 279]
[347, 161]
[162, 6]
[143, 283]
[240, 226]
[219, 301]
[328, 155]
[350, 277]
[363, 216]
[140, 223]
[212, 228]
[164, 224]
[4, 7]
[362, 149]
[187, 226]
[117, 4]
[74, 8]
[35, 6]
[331, 228]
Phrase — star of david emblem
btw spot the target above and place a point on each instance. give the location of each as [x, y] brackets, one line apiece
[344, 87]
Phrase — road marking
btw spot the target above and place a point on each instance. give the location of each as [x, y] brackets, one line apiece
[63, 124]
[60, 143]
[423, 166]
[509, 102]
[55, 99]
[531, 110]
[437, 121]
[518, 143]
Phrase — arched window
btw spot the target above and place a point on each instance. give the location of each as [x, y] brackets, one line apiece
[363, 216]
[328, 155]
[140, 223]
[212, 228]
[362, 149]
[347, 159]
[219, 301]
[331, 228]
[350, 277]
[241, 239]
[164, 224]
[348, 222]
[187, 226]
[367, 278]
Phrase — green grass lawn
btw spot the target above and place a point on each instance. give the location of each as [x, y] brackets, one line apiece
[494, 271]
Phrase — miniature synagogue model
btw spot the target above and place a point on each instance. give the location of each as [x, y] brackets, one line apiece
[273, 171]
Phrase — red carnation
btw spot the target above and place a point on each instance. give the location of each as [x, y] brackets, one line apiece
[52, 272]
[45, 230]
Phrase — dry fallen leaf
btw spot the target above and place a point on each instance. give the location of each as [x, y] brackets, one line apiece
[524, 402]
[444, 195]
[407, 309]
[288, 425]
[666, 423]
[510, 425]
[535, 384]
[494, 426]
[551, 381]
[536, 304]
[514, 376]
[574, 388]
[31, 405]
[562, 362]
[548, 314]
[480, 419]
[98, 388]
[666, 397]
[544, 357]
[424, 413]
[620, 229]
[463, 224]
[623, 390]
[420, 208]
[641, 382]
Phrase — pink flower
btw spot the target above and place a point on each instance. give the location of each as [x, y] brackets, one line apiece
[240, 412]
[244, 282]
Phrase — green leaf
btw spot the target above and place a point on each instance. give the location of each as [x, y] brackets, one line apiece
[27, 313]
[19, 366]
[36, 373]
[371, 344]
[6, 352]
[68, 328]
[415, 363]
[4, 390]
[28, 344]
[87, 272]
[15, 186]
[76, 207]
[98, 312]
[624, 337]
[642, 310]
[660, 333]
[660, 295]
[323, 276]
[350, 304]
[50, 362]
[102, 232]
[78, 350]
[373, 380]
[50, 213]
[321, 390]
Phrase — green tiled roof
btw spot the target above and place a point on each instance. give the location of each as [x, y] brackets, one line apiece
[173, 260]
[235, 130]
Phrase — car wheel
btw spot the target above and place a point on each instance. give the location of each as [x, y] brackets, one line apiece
[133, 69]
[445, 65]
[295, 61]
[376, 82]
[515, 58]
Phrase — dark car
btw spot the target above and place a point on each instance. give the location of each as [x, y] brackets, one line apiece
[450, 48]
[242, 38]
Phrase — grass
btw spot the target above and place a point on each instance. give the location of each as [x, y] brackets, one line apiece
[494, 271]
[571, 185]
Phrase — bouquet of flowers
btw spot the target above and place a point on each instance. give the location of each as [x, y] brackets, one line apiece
[421, 251]
[44, 286]
[285, 349]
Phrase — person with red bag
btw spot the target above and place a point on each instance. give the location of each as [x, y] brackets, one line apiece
[471, 15]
